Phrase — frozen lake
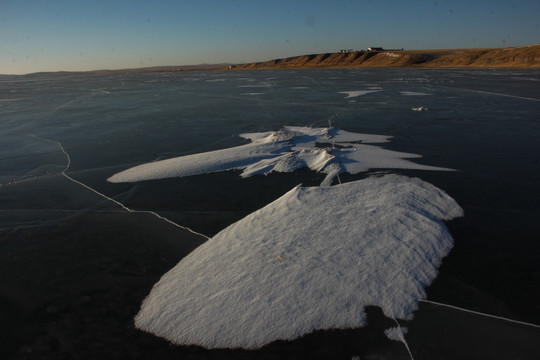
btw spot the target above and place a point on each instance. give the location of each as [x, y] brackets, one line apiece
[73, 261]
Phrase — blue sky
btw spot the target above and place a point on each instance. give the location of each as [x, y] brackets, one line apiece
[51, 35]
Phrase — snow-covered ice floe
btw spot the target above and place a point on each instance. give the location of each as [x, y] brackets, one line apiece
[312, 259]
[328, 150]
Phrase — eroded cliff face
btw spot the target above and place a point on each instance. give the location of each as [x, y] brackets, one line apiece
[518, 57]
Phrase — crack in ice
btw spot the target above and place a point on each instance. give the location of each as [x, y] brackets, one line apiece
[63, 172]
[492, 93]
[402, 337]
[480, 313]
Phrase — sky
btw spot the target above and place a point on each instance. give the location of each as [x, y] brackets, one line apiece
[78, 35]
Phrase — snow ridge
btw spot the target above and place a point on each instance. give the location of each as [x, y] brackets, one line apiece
[327, 150]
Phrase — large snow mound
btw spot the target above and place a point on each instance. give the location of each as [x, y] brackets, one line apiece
[312, 259]
[328, 150]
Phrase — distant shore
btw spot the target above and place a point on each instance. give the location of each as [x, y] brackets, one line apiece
[523, 57]
[514, 57]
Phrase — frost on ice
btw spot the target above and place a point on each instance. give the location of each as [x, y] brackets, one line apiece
[327, 150]
[312, 259]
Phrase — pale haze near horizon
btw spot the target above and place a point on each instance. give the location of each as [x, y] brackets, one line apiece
[62, 35]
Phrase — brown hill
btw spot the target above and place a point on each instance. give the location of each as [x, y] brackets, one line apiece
[517, 57]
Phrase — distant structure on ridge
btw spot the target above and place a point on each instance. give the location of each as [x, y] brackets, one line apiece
[372, 48]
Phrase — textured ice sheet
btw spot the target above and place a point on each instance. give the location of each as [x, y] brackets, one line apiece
[327, 150]
[312, 259]
[414, 93]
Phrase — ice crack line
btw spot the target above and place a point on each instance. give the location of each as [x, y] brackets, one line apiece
[402, 337]
[481, 314]
[492, 93]
[25, 180]
[58, 211]
[63, 172]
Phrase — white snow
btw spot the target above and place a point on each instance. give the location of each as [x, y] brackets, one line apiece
[312, 259]
[327, 150]
[357, 93]
[396, 333]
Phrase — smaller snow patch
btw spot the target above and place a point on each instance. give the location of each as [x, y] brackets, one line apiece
[356, 93]
[396, 333]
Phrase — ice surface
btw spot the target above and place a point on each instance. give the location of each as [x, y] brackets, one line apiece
[414, 93]
[328, 150]
[312, 259]
[260, 85]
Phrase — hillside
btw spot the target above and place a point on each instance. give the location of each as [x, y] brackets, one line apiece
[517, 57]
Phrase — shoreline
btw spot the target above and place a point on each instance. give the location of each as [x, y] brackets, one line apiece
[522, 57]
[525, 57]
